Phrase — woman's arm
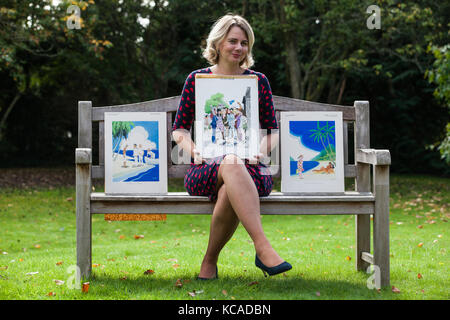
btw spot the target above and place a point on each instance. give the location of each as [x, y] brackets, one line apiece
[268, 143]
[183, 139]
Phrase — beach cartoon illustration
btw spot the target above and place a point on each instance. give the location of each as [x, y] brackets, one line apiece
[312, 157]
[135, 151]
[314, 153]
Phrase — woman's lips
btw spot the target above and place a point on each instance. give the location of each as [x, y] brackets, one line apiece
[236, 55]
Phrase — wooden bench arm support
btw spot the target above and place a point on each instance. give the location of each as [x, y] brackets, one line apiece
[83, 168]
[374, 157]
[83, 156]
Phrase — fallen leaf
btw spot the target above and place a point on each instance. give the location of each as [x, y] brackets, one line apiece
[32, 273]
[59, 263]
[37, 246]
[178, 283]
[395, 289]
[175, 266]
[318, 293]
[149, 271]
[121, 237]
[195, 292]
[224, 292]
[85, 287]
[420, 226]
[348, 258]
[69, 199]
[253, 283]
[419, 276]
[420, 245]
[58, 282]
[138, 236]
[51, 294]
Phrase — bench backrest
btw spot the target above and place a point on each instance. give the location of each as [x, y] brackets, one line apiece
[356, 128]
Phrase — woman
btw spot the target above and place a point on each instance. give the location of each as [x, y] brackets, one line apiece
[233, 183]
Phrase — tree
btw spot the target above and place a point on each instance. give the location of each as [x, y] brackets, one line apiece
[440, 76]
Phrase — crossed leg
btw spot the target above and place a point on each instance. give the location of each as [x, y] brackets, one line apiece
[237, 201]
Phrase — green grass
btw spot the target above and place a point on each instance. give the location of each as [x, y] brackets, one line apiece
[38, 235]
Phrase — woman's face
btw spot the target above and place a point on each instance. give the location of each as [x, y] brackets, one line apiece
[234, 48]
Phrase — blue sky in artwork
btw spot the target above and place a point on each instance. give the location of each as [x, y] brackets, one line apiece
[302, 129]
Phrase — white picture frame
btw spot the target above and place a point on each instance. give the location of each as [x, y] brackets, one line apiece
[312, 156]
[226, 115]
[135, 152]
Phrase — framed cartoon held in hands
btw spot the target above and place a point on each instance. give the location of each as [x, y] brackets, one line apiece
[226, 115]
[135, 152]
[312, 157]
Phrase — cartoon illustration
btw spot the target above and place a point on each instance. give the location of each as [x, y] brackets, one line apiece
[315, 142]
[223, 116]
[312, 156]
[135, 152]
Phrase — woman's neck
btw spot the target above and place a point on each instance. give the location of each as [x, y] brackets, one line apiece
[226, 69]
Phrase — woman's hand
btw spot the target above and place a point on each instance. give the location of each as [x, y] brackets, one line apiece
[198, 159]
[255, 159]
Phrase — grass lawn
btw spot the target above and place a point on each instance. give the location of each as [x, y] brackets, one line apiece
[38, 248]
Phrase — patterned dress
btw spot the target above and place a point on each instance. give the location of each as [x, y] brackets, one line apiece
[201, 179]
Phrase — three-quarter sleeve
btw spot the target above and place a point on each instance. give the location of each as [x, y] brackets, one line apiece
[267, 118]
[186, 109]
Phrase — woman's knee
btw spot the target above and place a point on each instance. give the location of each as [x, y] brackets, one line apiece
[232, 162]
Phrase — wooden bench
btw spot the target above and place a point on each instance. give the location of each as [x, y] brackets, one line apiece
[369, 198]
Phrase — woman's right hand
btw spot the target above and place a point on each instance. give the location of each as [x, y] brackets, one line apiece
[198, 159]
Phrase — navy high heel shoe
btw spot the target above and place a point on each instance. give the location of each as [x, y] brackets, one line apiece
[282, 267]
[213, 278]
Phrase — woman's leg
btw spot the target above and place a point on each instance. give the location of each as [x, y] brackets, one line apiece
[223, 224]
[244, 199]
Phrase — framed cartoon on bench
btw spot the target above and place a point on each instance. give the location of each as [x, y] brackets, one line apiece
[312, 157]
[135, 152]
[226, 115]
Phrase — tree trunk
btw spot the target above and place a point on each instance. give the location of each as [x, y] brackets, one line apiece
[7, 112]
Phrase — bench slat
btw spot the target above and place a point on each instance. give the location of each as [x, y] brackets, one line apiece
[274, 196]
[276, 204]
[179, 171]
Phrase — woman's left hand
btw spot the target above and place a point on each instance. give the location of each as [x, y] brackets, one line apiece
[255, 159]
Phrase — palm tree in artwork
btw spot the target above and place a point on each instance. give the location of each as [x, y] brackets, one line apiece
[324, 133]
[120, 130]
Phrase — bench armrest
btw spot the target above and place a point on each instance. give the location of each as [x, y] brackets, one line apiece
[83, 156]
[373, 156]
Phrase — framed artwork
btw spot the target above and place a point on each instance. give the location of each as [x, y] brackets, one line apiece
[312, 157]
[135, 152]
[226, 115]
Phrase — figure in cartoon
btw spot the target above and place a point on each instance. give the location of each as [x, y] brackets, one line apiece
[125, 156]
[300, 166]
[213, 124]
[231, 126]
[141, 155]
[135, 155]
[220, 125]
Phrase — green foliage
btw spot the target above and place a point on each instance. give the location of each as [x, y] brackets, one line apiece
[214, 101]
[131, 51]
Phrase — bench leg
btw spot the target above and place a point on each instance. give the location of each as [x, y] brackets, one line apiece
[362, 224]
[84, 221]
[381, 223]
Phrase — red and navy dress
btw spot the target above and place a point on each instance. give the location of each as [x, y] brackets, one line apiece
[201, 179]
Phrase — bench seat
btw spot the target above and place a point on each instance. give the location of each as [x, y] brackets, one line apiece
[277, 203]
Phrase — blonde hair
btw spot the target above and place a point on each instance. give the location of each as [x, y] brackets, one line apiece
[218, 33]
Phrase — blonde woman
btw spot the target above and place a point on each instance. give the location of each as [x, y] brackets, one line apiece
[234, 184]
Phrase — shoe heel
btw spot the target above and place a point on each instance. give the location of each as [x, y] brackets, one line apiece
[264, 273]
